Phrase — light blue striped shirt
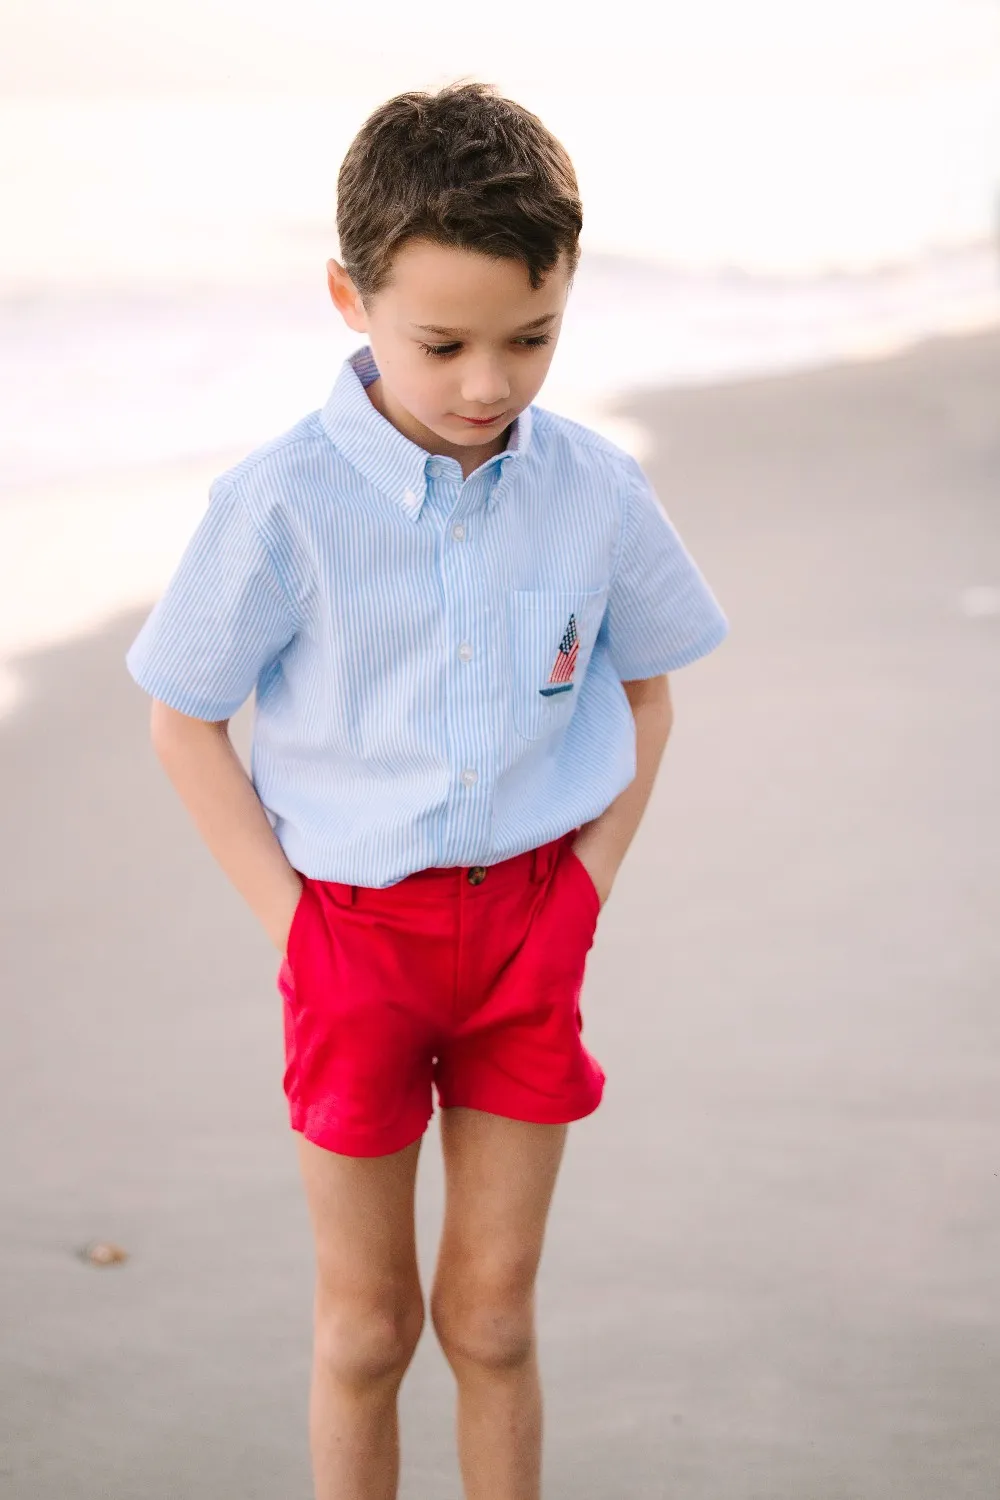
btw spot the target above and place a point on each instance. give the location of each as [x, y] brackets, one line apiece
[438, 663]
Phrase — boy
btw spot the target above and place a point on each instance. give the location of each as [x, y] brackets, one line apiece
[457, 613]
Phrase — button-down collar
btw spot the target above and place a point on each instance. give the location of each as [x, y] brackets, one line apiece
[390, 461]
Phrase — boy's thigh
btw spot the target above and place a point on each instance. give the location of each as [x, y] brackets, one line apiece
[500, 1175]
[362, 1214]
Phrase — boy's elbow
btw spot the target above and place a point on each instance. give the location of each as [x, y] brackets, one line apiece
[652, 694]
[169, 728]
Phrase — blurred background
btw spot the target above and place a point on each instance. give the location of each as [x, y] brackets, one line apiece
[774, 1267]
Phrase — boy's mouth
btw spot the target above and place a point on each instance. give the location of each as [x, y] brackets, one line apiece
[482, 421]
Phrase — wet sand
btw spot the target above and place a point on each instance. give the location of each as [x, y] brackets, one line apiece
[773, 1269]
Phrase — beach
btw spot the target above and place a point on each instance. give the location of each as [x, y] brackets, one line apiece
[773, 1268]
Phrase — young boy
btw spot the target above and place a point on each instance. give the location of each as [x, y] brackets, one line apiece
[457, 612]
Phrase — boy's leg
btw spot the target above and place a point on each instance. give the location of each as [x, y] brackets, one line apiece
[369, 1314]
[500, 1177]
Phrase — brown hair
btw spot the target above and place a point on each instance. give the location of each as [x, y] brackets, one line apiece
[461, 167]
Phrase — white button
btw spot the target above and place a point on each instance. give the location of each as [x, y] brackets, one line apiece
[458, 532]
[470, 777]
[409, 497]
[465, 651]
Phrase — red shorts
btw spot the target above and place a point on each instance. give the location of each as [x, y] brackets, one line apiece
[466, 979]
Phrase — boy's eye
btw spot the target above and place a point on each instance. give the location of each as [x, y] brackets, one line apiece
[442, 351]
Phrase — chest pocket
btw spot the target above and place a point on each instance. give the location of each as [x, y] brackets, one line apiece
[552, 636]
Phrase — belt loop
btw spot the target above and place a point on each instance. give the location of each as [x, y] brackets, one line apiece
[354, 895]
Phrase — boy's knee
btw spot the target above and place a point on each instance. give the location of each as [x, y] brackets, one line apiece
[362, 1345]
[484, 1325]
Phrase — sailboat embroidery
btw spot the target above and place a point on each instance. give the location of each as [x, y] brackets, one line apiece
[561, 676]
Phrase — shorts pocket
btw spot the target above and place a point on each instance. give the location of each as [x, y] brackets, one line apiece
[552, 636]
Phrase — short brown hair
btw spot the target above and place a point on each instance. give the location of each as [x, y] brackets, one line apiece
[462, 167]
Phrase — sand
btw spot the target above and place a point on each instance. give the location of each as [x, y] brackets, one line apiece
[773, 1269]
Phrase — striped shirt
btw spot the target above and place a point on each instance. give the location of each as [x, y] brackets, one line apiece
[437, 662]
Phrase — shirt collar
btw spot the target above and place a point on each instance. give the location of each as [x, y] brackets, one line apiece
[382, 454]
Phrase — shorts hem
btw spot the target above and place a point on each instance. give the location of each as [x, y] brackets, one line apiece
[550, 1113]
[357, 1143]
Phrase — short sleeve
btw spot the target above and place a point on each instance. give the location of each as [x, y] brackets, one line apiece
[224, 617]
[661, 614]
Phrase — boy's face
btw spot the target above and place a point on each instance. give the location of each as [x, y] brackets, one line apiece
[462, 342]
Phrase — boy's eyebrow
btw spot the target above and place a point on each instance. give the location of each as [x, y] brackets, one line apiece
[461, 332]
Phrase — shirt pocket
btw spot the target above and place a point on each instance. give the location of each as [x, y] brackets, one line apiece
[552, 636]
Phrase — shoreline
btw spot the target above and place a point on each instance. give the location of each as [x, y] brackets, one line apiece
[185, 372]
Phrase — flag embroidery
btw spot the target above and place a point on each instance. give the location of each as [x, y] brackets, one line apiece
[561, 677]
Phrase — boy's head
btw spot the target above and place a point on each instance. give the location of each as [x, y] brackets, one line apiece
[459, 222]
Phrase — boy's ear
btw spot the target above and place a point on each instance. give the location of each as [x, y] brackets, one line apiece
[346, 297]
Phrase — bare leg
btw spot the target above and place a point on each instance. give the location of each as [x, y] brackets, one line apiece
[369, 1315]
[500, 1178]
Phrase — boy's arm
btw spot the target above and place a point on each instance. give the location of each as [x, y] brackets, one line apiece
[602, 844]
[209, 777]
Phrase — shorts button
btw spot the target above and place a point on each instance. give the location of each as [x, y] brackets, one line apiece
[477, 875]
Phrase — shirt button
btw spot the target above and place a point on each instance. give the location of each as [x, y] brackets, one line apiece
[409, 498]
[465, 651]
[470, 777]
[458, 532]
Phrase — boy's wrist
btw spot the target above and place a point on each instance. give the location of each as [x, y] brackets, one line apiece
[600, 860]
[278, 924]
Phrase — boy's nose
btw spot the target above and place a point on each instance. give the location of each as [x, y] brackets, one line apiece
[485, 385]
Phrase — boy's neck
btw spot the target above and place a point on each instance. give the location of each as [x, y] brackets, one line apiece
[469, 458]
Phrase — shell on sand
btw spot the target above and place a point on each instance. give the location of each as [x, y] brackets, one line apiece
[103, 1253]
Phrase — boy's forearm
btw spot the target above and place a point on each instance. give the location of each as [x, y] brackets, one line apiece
[602, 844]
[210, 780]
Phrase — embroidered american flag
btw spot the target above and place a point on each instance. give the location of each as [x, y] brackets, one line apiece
[561, 676]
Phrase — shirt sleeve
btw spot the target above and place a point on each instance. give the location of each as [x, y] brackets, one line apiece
[661, 614]
[224, 617]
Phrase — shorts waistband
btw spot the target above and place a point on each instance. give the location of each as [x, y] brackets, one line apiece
[535, 865]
